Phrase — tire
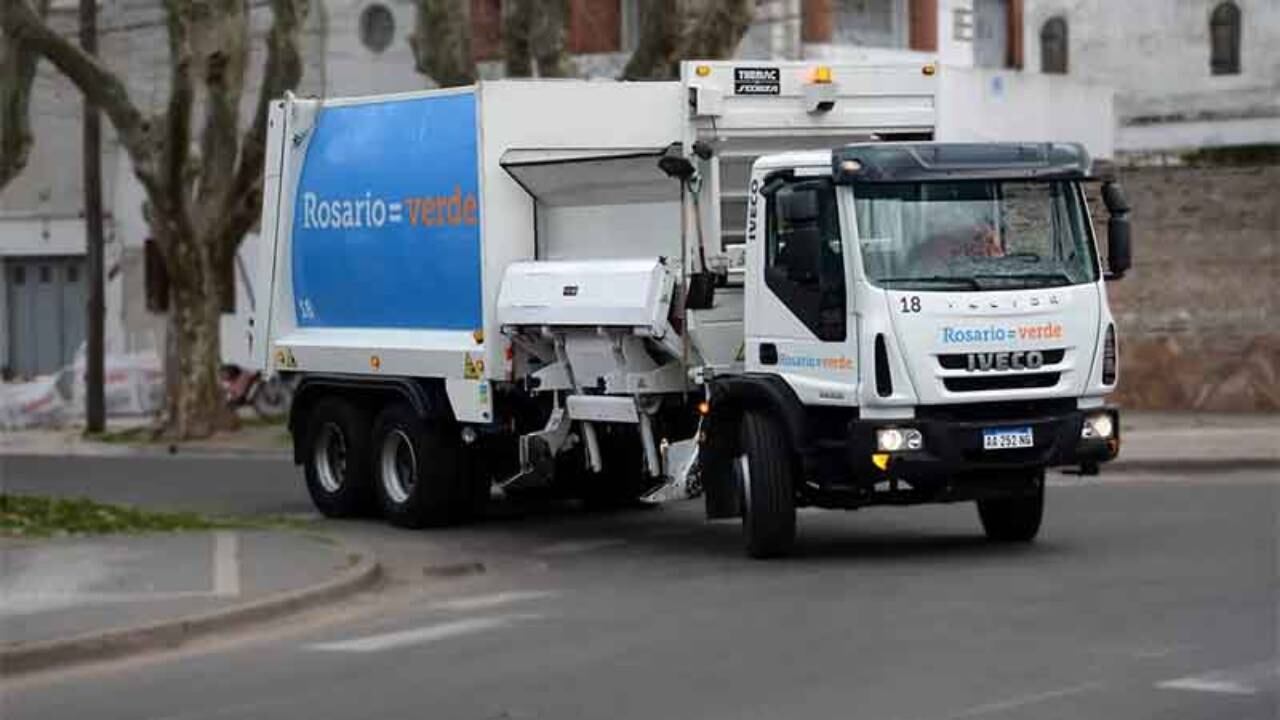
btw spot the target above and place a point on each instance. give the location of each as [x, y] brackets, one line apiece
[1015, 519]
[272, 398]
[336, 459]
[764, 468]
[418, 470]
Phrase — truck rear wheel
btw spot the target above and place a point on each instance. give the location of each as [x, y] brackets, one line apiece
[1015, 519]
[765, 472]
[417, 469]
[336, 462]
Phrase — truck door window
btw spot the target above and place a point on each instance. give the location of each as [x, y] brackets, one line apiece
[804, 265]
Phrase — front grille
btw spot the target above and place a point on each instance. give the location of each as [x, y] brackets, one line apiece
[1018, 381]
[960, 361]
[1000, 410]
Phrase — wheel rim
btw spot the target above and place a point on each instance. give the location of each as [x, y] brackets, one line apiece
[399, 465]
[331, 457]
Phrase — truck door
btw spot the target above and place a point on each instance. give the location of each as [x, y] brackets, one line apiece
[798, 324]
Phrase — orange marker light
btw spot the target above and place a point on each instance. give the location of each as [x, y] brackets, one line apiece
[478, 335]
[375, 362]
[702, 70]
[822, 75]
[704, 408]
[929, 69]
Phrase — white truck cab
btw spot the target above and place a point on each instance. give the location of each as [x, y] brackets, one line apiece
[925, 322]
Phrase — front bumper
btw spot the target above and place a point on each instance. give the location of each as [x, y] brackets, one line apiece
[955, 447]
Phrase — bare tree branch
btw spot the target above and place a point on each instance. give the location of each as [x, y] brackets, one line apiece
[21, 23]
[17, 74]
[441, 42]
[176, 169]
[242, 205]
[222, 46]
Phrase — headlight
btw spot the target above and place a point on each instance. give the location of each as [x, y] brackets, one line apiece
[895, 439]
[1098, 426]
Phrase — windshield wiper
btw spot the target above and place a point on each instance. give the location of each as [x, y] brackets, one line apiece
[1048, 278]
[967, 282]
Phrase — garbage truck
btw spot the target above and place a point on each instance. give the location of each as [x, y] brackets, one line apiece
[771, 284]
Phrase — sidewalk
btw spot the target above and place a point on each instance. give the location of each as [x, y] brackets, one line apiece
[1148, 441]
[130, 438]
[78, 599]
[1197, 442]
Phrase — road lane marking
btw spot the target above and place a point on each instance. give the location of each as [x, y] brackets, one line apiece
[1228, 681]
[485, 602]
[1020, 701]
[422, 635]
[1225, 687]
[226, 564]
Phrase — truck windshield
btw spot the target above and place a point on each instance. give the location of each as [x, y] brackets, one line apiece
[973, 235]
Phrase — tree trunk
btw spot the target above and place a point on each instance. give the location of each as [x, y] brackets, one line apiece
[196, 404]
[537, 30]
[675, 30]
[717, 30]
[515, 37]
[441, 42]
[655, 53]
[548, 36]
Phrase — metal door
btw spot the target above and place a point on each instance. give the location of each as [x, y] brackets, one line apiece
[46, 313]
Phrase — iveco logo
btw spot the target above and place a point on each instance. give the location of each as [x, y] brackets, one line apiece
[1017, 360]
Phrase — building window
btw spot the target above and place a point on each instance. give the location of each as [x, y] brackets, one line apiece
[1053, 46]
[1224, 37]
[871, 23]
[377, 27]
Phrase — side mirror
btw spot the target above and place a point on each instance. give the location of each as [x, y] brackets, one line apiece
[675, 164]
[1119, 249]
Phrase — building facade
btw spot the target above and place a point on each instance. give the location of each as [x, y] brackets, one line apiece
[1187, 74]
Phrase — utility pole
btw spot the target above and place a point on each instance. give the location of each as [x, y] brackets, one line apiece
[95, 406]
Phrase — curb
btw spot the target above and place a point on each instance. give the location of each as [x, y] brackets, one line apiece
[1195, 466]
[147, 451]
[171, 634]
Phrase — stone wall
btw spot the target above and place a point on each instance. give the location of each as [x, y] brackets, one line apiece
[1199, 314]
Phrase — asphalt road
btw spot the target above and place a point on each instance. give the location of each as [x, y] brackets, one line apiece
[1146, 597]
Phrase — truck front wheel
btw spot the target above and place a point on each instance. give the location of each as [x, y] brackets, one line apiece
[336, 462]
[764, 471]
[415, 467]
[1015, 519]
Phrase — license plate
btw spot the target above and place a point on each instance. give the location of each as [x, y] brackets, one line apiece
[1007, 438]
